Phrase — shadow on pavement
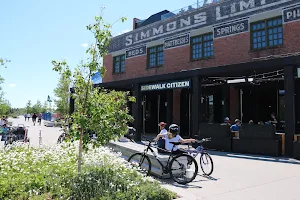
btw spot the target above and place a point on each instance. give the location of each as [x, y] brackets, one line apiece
[256, 157]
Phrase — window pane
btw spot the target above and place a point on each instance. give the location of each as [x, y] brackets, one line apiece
[117, 67]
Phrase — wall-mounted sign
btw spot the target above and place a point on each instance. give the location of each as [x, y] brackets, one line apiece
[142, 50]
[231, 29]
[177, 41]
[202, 17]
[291, 14]
[166, 85]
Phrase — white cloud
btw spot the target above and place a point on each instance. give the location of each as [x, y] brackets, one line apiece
[12, 85]
[85, 45]
[124, 31]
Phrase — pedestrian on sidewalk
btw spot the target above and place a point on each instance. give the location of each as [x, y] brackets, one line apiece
[28, 116]
[34, 116]
[25, 116]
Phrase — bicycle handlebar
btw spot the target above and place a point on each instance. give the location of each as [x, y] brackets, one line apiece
[204, 140]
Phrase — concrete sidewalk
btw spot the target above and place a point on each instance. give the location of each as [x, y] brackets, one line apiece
[244, 177]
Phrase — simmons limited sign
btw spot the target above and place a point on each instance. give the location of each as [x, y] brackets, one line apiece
[206, 16]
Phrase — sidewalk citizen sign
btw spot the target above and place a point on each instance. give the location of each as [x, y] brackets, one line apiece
[219, 13]
[96, 79]
[166, 85]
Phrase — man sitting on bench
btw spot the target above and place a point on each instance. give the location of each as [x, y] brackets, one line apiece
[173, 136]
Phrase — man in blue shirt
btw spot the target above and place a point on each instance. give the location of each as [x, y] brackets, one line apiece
[235, 128]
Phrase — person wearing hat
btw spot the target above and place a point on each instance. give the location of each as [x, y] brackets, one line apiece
[226, 122]
[173, 136]
[235, 128]
[162, 127]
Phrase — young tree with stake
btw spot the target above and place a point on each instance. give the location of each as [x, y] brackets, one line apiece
[96, 109]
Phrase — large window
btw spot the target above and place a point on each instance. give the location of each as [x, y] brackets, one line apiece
[119, 64]
[155, 56]
[202, 47]
[267, 33]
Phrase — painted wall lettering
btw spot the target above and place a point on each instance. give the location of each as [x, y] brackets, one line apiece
[136, 52]
[232, 28]
[291, 14]
[177, 41]
[206, 16]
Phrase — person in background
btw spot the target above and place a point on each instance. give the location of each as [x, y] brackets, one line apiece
[2, 121]
[25, 116]
[40, 119]
[273, 120]
[4, 132]
[226, 122]
[173, 136]
[235, 128]
[28, 116]
[34, 116]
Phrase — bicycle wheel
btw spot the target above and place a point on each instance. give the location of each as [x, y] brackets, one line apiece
[141, 161]
[183, 168]
[206, 164]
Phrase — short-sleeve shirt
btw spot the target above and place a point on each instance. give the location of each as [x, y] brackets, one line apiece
[168, 145]
[164, 131]
[235, 128]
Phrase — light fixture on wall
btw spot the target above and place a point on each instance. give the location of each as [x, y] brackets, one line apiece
[241, 80]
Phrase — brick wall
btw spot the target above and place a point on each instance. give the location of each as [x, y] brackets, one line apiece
[227, 50]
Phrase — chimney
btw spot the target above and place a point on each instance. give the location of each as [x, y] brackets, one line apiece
[134, 23]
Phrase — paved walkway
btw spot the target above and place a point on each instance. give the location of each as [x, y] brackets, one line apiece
[235, 177]
[49, 134]
[241, 177]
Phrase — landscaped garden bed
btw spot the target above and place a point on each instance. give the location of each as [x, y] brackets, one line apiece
[51, 173]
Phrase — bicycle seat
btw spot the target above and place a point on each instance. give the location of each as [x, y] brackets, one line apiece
[175, 143]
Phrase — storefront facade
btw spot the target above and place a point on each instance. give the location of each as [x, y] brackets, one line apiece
[236, 59]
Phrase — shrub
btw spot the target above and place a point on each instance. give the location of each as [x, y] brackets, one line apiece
[51, 173]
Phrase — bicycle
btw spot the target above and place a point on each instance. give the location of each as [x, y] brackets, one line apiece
[205, 158]
[178, 166]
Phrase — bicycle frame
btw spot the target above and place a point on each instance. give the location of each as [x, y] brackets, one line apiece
[195, 153]
[164, 167]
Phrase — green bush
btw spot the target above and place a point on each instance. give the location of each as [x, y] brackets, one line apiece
[51, 173]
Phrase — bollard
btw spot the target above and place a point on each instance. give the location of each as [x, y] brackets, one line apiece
[40, 137]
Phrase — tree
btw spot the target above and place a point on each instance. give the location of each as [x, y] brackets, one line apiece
[28, 107]
[45, 107]
[62, 92]
[37, 108]
[4, 104]
[98, 110]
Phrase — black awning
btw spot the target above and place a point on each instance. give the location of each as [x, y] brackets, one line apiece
[235, 70]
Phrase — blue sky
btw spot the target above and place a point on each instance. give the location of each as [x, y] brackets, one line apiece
[35, 32]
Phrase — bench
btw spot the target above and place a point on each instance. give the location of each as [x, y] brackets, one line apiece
[257, 139]
[129, 148]
[220, 136]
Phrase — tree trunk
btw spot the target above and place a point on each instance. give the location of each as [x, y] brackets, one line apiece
[80, 151]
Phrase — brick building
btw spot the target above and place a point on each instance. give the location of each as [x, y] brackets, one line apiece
[235, 58]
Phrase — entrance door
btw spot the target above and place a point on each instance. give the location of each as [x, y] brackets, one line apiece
[154, 111]
[185, 112]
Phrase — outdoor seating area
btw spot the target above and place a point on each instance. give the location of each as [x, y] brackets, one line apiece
[253, 139]
[220, 136]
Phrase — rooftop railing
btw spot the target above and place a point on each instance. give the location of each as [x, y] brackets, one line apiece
[199, 4]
